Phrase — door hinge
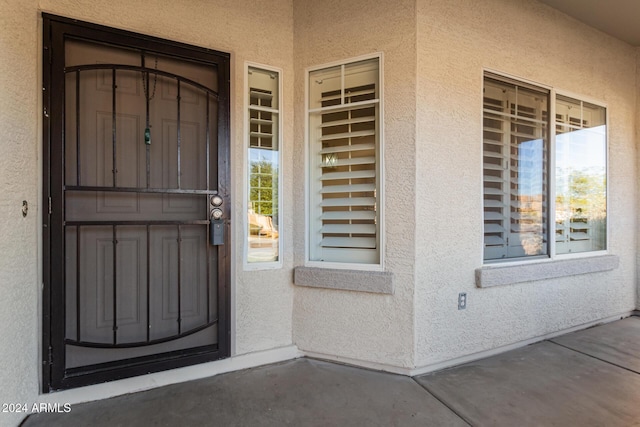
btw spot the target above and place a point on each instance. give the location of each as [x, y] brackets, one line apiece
[50, 206]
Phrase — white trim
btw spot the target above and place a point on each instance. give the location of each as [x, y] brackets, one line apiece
[341, 62]
[307, 170]
[173, 376]
[583, 98]
[380, 170]
[551, 177]
[586, 254]
[255, 266]
[480, 169]
[344, 265]
[382, 239]
[516, 78]
[514, 262]
[607, 151]
[432, 367]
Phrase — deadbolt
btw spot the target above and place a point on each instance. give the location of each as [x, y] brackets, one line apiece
[216, 201]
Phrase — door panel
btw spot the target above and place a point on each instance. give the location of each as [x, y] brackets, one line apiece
[142, 133]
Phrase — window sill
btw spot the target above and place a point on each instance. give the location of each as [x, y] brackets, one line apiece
[487, 277]
[378, 282]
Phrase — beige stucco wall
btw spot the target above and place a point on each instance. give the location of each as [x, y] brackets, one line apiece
[262, 300]
[456, 39]
[18, 181]
[637, 204]
[357, 325]
[434, 54]
[637, 124]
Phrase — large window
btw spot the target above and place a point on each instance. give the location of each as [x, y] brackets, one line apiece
[344, 161]
[519, 145]
[263, 207]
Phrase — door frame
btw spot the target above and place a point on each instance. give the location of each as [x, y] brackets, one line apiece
[55, 30]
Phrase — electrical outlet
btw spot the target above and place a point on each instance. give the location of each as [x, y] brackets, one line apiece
[462, 300]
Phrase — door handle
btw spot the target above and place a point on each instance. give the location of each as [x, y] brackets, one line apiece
[216, 227]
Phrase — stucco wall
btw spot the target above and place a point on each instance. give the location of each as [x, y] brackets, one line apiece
[456, 39]
[18, 181]
[637, 204]
[263, 300]
[357, 325]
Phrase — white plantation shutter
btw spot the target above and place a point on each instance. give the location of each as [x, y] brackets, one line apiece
[515, 145]
[344, 160]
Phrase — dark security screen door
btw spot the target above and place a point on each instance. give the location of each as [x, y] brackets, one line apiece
[137, 156]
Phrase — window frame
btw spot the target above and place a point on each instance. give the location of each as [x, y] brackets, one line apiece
[268, 265]
[551, 227]
[380, 172]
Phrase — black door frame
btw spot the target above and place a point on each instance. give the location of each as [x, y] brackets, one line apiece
[55, 30]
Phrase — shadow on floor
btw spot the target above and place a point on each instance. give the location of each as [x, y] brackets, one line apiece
[587, 378]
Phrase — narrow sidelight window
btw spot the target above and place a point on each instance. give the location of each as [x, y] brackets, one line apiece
[263, 177]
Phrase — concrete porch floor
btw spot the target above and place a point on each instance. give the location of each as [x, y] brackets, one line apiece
[586, 378]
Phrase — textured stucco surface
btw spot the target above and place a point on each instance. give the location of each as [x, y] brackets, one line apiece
[456, 40]
[497, 276]
[18, 182]
[263, 300]
[350, 280]
[357, 325]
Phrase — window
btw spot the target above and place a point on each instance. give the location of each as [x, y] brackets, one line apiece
[263, 178]
[581, 176]
[344, 162]
[519, 145]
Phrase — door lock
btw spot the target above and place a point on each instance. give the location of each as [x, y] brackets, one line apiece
[216, 228]
[216, 213]
[216, 201]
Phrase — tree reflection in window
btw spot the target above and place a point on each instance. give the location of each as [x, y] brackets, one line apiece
[263, 198]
